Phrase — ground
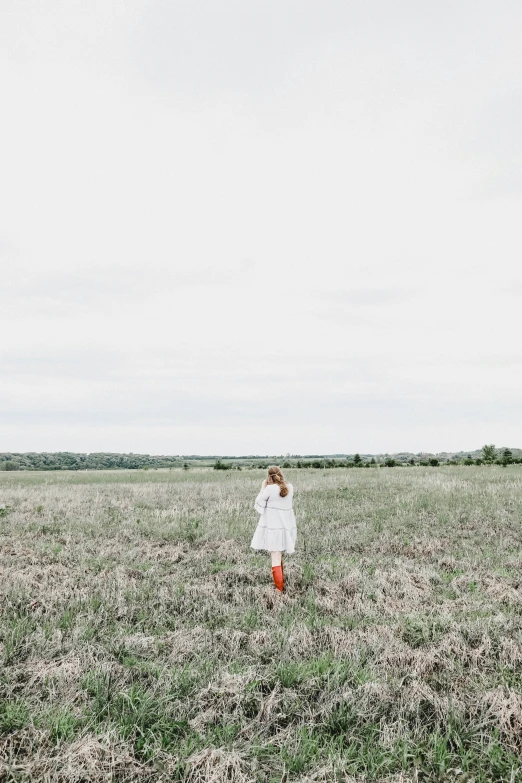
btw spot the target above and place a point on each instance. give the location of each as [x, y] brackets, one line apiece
[141, 639]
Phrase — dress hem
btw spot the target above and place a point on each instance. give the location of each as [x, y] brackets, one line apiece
[264, 549]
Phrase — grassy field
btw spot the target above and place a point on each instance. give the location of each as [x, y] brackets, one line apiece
[141, 639]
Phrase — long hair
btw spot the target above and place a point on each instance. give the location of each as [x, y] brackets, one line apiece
[276, 477]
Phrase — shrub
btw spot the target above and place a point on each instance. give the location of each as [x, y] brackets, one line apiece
[218, 465]
[9, 464]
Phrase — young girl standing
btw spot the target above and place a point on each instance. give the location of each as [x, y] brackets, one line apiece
[276, 530]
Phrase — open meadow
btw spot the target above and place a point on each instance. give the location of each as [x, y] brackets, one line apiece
[141, 639]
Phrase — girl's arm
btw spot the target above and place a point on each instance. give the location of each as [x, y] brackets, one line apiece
[261, 500]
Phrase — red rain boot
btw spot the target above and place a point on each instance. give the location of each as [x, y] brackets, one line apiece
[277, 573]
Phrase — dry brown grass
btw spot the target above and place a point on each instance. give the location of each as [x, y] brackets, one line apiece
[142, 639]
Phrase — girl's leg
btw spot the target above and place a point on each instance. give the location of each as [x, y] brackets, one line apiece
[277, 571]
[277, 559]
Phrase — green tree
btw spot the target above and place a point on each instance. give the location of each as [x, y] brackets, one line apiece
[507, 457]
[434, 462]
[357, 459]
[489, 454]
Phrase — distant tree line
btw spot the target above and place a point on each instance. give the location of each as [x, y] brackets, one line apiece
[67, 460]
[489, 456]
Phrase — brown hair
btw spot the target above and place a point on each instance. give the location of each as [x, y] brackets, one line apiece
[276, 477]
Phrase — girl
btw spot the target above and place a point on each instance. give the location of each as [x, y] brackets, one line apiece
[276, 530]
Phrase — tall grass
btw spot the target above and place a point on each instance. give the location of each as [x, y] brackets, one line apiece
[142, 639]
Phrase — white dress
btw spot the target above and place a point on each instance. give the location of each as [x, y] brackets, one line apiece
[276, 530]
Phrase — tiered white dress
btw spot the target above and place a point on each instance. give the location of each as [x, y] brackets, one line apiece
[276, 530]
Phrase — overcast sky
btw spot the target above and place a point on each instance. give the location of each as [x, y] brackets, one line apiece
[260, 226]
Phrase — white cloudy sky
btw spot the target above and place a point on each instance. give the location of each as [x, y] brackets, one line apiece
[260, 226]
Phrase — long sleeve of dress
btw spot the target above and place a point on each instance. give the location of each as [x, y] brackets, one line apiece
[261, 500]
